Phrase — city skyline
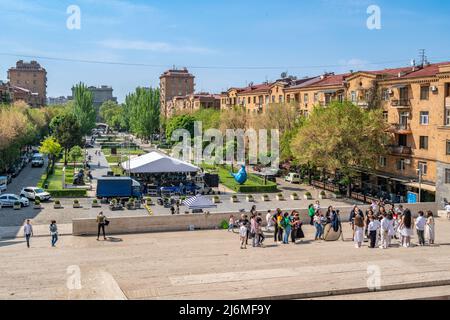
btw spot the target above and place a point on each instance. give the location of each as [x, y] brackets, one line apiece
[223, 44]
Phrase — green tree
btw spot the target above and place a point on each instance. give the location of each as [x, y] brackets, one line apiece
[142, 112]
[113, 114]
[66, 129]
[185, 121]
[341, 137]
[74, 154]
[83, 108]
[52, 149]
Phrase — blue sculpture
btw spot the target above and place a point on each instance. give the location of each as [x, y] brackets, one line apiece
[241, 176]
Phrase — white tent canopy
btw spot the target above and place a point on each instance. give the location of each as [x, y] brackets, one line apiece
[155, 162]
[199, 202]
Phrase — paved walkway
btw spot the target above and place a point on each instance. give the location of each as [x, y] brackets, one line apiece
[209, 265]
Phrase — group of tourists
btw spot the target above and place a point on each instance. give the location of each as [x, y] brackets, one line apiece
[380, 226]
[287, 227]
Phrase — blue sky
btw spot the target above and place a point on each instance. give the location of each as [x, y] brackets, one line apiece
[301, 37]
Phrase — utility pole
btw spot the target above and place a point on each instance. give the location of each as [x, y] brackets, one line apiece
[420, 183]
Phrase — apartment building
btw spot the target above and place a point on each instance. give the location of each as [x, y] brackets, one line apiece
[174, 83]
[193, 102]
[30, 76]
[416, 105]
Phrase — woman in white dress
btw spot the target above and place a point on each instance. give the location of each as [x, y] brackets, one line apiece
[406, 227]
[359, 231]
[430, 228]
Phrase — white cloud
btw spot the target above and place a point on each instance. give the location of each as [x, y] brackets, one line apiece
[162, 47]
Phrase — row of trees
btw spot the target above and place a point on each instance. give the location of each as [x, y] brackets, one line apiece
[21, 126]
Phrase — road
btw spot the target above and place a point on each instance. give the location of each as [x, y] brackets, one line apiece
[28, 177]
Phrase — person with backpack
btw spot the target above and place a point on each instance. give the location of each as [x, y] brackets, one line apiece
[101, 222]
[276, 232]
[311, 213]
[54, 232]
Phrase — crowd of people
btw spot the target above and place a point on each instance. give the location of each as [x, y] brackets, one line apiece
[379, 225]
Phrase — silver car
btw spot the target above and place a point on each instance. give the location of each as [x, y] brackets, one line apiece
[8, 200]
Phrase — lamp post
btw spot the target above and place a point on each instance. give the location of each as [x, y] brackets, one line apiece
[419, 171]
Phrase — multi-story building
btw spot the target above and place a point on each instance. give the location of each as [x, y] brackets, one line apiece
[32, 77]
[57, 100]
[174, 83]
[193, 102]
[6, 95]
[100, 95]
[416, 105]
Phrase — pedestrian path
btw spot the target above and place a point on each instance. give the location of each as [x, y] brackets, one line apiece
[38, 230]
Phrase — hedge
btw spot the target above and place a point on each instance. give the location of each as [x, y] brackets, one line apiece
[68, 193]
[256, 189]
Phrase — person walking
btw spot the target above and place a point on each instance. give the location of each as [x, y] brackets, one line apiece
[28, 232]
[253, 230]
[244, 221]
[101, 222]
[384, 231]
[243, 235]
[421, 223]
[54, 232]
[231, 223]
[430, 228]
[269, 221]
[359, 231]
[355, 211]
[374, 226]
[172, 210]
[259, 231]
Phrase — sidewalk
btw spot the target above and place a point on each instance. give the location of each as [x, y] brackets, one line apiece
[39, 231]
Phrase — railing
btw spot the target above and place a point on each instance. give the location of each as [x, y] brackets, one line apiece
[396, 127]
[401, 103]
[401, 150]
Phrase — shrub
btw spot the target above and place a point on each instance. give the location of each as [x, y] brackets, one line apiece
[68, 193]
[95, 201]
[323, 193]
[223, 225]
[280, 195]
[295, 194]
[308, 194]
[36, 202]
[76, 202]
[17, 204]
[57, 202]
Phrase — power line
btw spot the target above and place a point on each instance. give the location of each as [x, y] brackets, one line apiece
[200, 67]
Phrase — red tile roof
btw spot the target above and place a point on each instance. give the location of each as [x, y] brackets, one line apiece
[256, 88]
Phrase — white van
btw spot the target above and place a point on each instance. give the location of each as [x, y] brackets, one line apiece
[3, 184]
[37, 160]
[292, 178]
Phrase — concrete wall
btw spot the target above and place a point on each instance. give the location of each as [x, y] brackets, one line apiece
[442, 189]
[127, 225]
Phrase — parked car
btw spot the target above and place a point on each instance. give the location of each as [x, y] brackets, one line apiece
[3, 183]
[14, 171]
[293, 178]
[37, 160]
[8, 200]
[33, 192]
[7, 176]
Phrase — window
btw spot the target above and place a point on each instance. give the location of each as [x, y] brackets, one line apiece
[254, 99]
[280, 99]
[383, 162]
[367, 96]
[316, 97]
[249, 100]
[340, 97]
[447, 147]
[385, 94]
[386, 116]
[447, 176]
[306, 98]
[424, 93]
[423, 142]
[353, 97]
[401, 165]
[447, 117]
[423, 167]
[424, 117]
[273, 99]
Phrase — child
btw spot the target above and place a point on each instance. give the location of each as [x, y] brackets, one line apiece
[243, 236]
[384, 230]
[374, 226]
[430, 227]
[359, 231]
[421, 223]
[231, 223]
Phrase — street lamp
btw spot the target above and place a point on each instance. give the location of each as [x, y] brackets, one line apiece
[420, 172]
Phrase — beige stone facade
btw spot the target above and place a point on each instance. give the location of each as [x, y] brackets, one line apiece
[30, 77]
[193, 102]
[174, 83]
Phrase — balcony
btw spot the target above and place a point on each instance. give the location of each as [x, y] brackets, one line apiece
[400, 150]
[401, 103]
[447, 102]
[400, 128]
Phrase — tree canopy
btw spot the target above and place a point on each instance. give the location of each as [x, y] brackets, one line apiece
[83, 108]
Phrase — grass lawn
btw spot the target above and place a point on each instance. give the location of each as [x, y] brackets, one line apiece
[254, 183]
[116, 159]
[117, 170]
[78, 160]
[124, 152]
[55, 180]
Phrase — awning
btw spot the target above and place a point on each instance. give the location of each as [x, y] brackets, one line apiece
[155, 162]
[199, 202]
[426, 187]
[399, 86]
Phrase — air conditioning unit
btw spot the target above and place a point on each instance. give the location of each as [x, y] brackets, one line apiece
[407, 161]
[433, 88]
